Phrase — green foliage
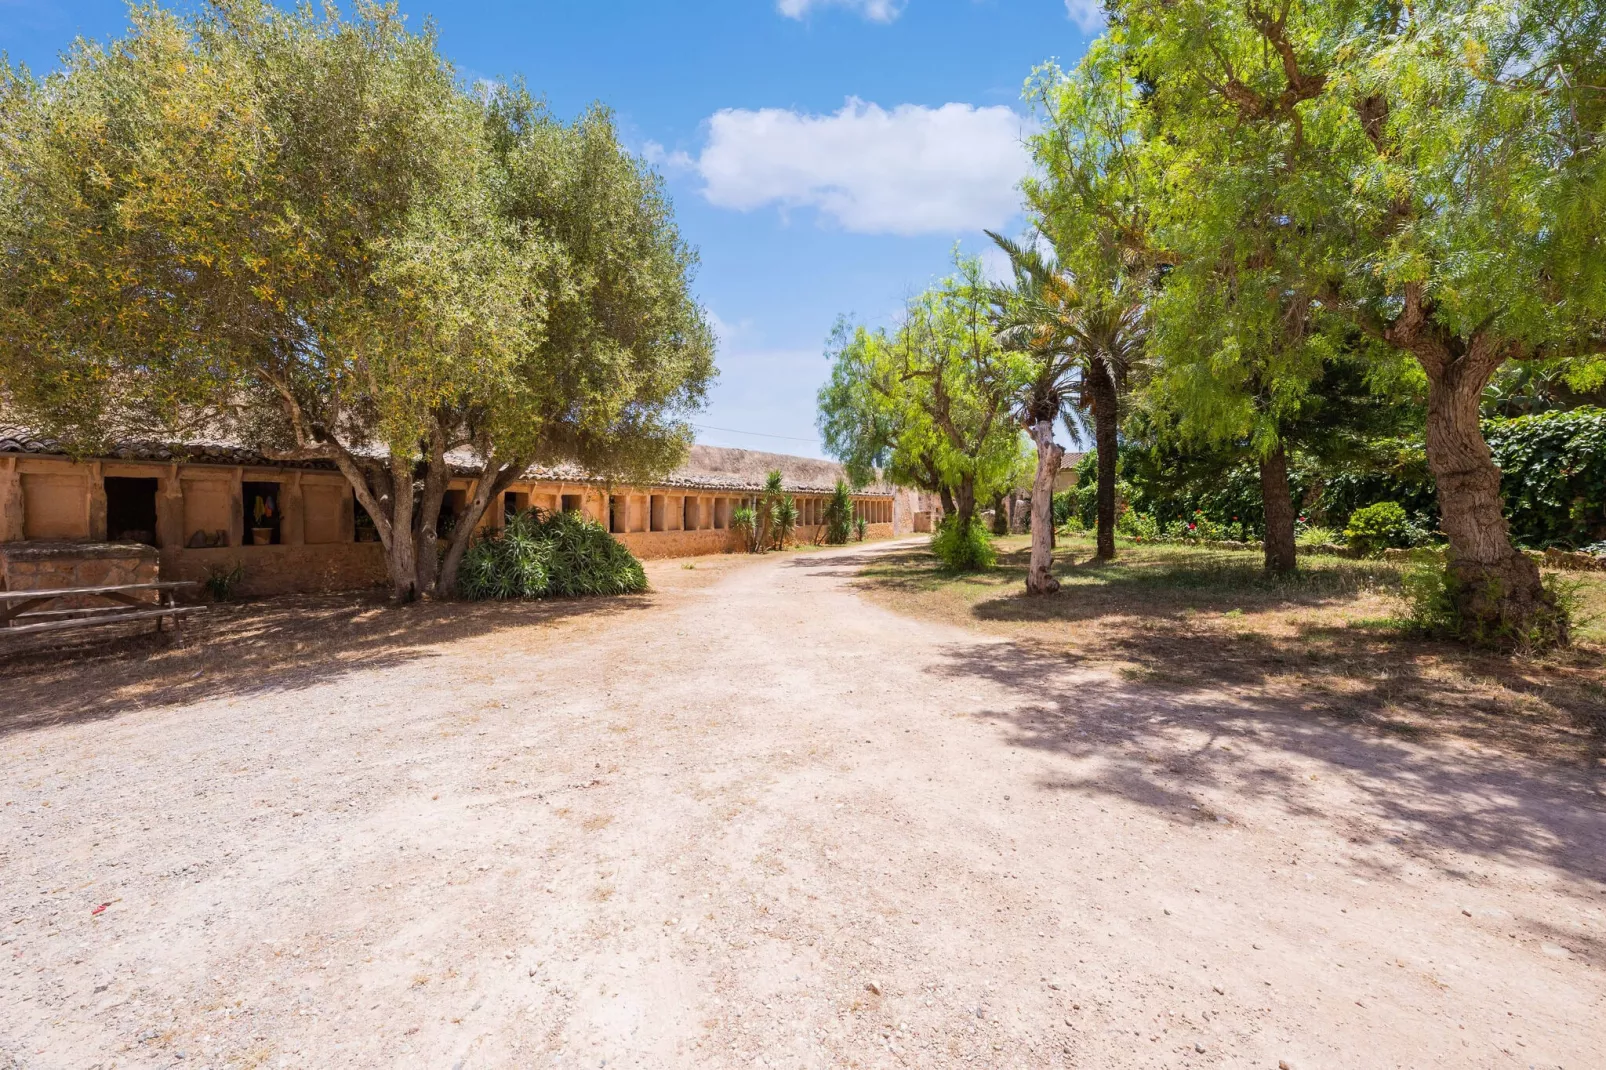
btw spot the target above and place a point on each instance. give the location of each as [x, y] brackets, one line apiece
[928, 403]
[542, 555]
[744, 522]
[1379, 527]
[839, 515]
[774, 515]
[221, 581]
[1140, 527]
[303, 228]
[963, 547]
[1553, 475]
[1292, 183]
[1430, 591]
[785, 521]
[860, 526]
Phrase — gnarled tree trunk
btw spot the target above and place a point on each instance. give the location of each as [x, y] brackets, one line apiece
[1040, 576]
[494, 479]
[400, 552]
[1106, 425]
[1498, 592]
[1279, 509]
[965, 501]
[426, 542]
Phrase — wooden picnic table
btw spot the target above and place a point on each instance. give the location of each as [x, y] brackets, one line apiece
[21, 611]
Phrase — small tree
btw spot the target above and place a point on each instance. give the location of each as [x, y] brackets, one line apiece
[931, 400]
[839, 515]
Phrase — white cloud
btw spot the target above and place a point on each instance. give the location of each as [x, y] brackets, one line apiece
[874, 10]
[1087, 14]
[910, 170]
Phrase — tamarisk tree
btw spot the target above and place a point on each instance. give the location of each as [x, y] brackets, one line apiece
[1430, 175]
[930, 400]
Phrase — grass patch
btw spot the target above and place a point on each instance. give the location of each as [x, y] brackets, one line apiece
[1332, 638]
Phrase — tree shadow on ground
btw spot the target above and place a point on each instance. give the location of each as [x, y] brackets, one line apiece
[1170, 749]
[243, 648]
[1323, 641]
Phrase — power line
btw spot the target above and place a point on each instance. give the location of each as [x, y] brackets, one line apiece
[760, 434]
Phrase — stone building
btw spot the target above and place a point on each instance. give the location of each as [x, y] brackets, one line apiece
[296, 526]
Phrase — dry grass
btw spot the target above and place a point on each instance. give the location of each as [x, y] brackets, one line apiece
[1329, 640]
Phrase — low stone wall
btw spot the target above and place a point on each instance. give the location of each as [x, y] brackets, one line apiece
[271, 570]
[38, 566]
[1560, 560]
[648, 545]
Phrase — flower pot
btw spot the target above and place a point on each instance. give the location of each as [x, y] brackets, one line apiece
[261, 536]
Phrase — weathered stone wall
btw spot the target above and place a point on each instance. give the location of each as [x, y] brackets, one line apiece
[200, 523]
[39, 566]
[271, 570]
[649, 545]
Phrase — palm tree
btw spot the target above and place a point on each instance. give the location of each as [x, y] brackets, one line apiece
[1082, 351]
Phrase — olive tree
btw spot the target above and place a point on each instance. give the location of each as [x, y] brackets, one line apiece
[301, 229]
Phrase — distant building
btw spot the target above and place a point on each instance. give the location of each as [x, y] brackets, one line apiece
[296, 526]
[1065, 478]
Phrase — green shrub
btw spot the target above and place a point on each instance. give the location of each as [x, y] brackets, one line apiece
[220, 582]
[839, 515]
[1381, 526]
[1430, 596]
[1313, 534]
[860, 526]
[744, 522]
[783, 521]
[1138, 526]
[542, 555]
[963, 549]
[1552, 475]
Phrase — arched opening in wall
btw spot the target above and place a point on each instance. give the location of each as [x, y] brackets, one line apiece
[618, 514]
[514, 503]
[131, 510]
[660, 514]
[571, 503]
[692, 514]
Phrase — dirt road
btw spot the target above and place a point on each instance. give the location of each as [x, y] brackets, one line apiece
[753, 820]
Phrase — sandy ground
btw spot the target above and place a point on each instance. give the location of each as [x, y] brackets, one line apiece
[753, 820]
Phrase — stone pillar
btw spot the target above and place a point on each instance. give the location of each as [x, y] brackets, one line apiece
[292, 511]
[348, 515]
[97, 502]
[170, 510]
[237, 508]
[11, 504]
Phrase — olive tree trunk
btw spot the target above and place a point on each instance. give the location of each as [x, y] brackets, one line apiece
[494, 479]
[1040, 576]
[1278, 504]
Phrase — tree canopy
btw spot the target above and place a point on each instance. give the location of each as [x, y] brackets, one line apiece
[932, 401]
[1428, 177]
[303, 229]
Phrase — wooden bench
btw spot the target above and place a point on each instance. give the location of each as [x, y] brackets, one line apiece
[21, 612]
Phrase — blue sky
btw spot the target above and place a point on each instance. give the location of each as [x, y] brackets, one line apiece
[823, 155]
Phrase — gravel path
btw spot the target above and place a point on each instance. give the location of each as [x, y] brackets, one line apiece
[754, 820]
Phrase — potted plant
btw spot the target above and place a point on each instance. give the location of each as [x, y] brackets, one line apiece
[262, 534]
